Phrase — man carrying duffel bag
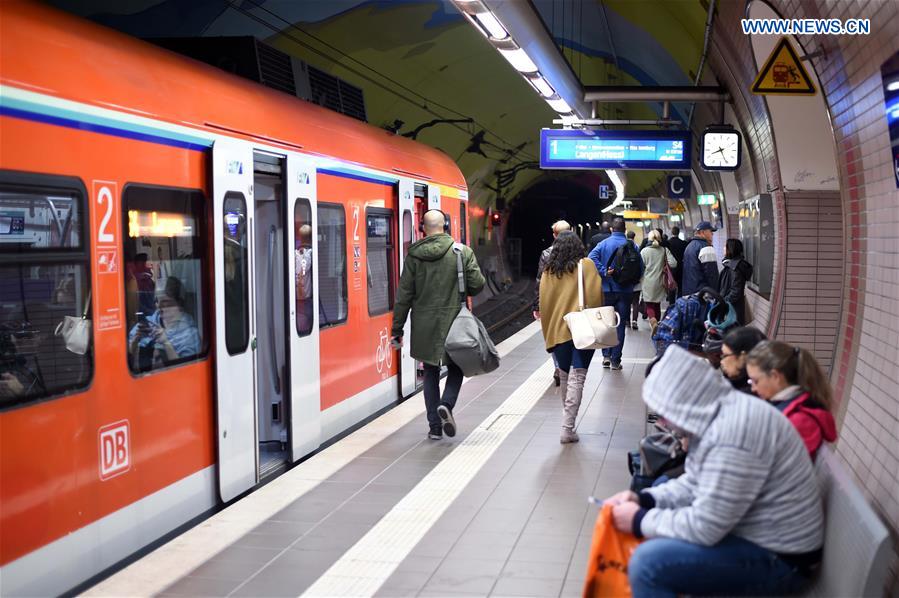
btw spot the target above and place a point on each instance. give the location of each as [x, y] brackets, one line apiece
[429, 286]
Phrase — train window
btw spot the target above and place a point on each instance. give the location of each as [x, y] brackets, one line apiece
[302, 225]
[407, 231]
[165, 266]
[332, 293]
[236, 273]
[379, 260]
[44, 288]
[463, 224]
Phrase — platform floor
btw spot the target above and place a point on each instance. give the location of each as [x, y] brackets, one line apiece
[499, 510]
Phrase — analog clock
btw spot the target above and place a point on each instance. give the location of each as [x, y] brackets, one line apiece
[721, 149]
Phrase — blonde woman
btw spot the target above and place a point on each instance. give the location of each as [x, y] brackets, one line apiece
[655, 256]
[559, 296]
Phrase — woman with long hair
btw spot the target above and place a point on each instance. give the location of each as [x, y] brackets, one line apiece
[559, 296]
[790, 379]
[733, 277]
[655, 256]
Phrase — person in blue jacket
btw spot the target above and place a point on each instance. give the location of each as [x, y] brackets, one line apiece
[700, 261]
[614, 294]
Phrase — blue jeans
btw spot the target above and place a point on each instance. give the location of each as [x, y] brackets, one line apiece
[622, 304]
[664, 567]
[568, 357]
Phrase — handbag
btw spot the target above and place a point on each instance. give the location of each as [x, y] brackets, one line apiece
[668, 279]
[75, 331]
[595, 327]
[610, 552]
[467, 343]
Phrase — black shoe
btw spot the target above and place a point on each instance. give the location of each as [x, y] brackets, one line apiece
[634, 325]
[606, 362]
[435, 434]
[446, 416]
[615, 366]
[556, 378]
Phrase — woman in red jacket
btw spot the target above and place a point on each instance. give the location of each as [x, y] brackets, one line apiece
[791, 380]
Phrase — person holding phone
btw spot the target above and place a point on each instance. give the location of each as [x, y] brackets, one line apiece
[167, 335]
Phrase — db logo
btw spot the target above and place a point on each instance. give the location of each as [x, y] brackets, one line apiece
[115, 449]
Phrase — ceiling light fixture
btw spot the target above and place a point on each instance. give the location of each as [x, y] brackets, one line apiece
[559, 105]
[519, 60]
[543, 87]
[893, 85]
[492, 25]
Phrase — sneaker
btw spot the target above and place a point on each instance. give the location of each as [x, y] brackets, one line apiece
[446, 416]
[615, 366]
[435, 434]
[606, 362]
[634, 325]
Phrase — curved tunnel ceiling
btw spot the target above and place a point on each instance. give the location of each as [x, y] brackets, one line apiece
[420, 60]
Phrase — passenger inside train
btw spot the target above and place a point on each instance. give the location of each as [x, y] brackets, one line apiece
[166, 335]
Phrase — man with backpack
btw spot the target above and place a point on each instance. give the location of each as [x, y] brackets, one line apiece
[619, 263]
[700, 261]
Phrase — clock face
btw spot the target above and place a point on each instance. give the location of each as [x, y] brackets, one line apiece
[720, 150]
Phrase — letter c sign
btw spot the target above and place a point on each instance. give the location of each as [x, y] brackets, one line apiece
[678, 186]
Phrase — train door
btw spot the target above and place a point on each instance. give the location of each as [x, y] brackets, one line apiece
[232, 181]
[409, 219]
[273, 378]
[305, 396]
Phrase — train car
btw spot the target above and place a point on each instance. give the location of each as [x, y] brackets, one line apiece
[196, 285]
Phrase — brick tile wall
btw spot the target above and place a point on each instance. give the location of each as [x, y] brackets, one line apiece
[855, 307]
[865, 368]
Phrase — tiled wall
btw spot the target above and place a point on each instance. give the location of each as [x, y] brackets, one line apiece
[852, 299]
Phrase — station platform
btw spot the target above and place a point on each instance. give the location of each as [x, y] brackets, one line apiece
[499, 510]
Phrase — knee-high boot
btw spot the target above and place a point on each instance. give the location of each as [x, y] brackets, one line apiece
[563, 384]
[576, 378]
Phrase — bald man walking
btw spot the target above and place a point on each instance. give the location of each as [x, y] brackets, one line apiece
[429, 287]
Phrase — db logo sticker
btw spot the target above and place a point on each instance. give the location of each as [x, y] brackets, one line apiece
[115, 449]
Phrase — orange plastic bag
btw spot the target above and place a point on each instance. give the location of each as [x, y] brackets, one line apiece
[609, 554]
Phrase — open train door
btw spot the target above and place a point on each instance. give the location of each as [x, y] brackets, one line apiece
[408, 226]
[305, 396]
[232, 185]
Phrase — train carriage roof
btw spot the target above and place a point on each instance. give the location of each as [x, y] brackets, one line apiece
[57, 54]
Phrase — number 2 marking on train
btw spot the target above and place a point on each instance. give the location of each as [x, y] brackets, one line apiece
[355, 223]
[105, 196]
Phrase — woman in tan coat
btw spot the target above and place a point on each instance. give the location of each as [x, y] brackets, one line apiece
[559, 296]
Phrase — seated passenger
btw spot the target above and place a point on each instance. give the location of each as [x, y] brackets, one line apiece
[168, 334]
[791, 380]
[735, 346]
[746, 516]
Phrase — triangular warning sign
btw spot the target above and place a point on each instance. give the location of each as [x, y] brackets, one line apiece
[783, 73]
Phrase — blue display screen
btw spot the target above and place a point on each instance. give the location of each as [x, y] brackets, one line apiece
[579, 148]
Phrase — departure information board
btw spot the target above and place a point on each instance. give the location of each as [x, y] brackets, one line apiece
[588, 149]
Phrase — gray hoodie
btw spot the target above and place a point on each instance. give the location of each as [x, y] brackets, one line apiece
[747, 471]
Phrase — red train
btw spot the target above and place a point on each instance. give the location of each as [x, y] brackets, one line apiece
[233, 254]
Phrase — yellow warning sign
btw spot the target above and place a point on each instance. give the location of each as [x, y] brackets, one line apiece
[783, 74]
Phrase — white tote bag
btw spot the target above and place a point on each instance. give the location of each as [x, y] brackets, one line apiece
[594, 327]
[76, 332]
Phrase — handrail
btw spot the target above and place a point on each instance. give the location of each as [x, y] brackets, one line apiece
[271, 320]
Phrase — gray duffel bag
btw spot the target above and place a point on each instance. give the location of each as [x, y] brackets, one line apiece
[468, 344]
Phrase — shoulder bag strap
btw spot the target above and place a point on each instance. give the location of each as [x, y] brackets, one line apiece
[580, 285]
[87, 306]
[459, 271]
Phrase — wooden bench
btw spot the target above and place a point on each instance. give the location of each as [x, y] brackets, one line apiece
[857, 545]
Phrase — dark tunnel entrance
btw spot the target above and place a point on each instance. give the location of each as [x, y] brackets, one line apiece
[533, 212]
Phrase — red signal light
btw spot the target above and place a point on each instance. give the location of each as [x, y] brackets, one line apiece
[495, 219]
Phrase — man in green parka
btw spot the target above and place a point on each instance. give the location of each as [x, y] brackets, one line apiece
[429, 286]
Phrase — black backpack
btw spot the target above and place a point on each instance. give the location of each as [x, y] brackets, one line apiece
[626, 263]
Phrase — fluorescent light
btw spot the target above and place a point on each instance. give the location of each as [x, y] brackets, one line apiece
[520, 60]
[893, 85]
[543, 86]
[492, 25]
[559, 105]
